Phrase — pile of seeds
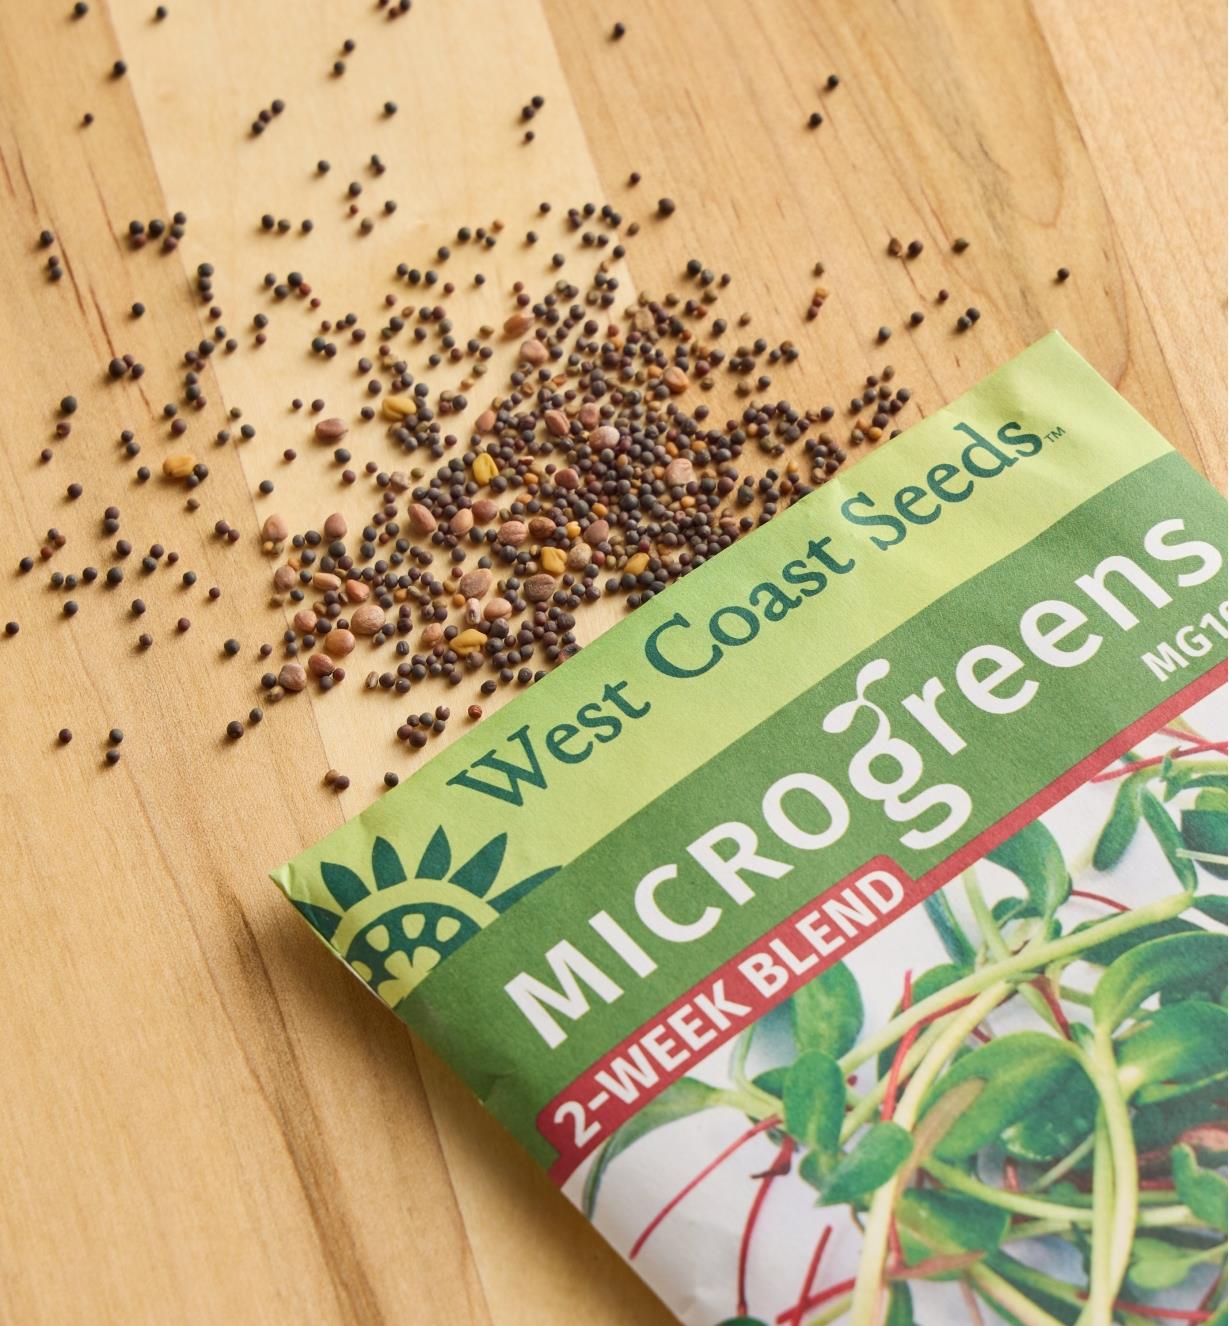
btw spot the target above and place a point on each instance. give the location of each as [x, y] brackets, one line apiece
[595, 470]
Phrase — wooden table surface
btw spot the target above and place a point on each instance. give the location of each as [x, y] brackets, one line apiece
[202, 1117]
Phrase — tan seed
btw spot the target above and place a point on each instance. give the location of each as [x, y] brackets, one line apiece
[474, 584]
[432, 634]
[539, 588]
[518, 324]
[462, 522]
[589, 414]
[305, 621]
[339, 642]
[556, 422]
[335, 526]
[579, 556]
[326, 580]
[178, 467]
[320, 665]
[541, 527]
[367, 619]
[485, 422]
[568, 478]
[357, 591]
[473, 611]
[398, 407]
[420, 518]
[292, 677]
[679, 473]
[485, 510]
[604, 437]
[284, 578]
[553, 561]
[274, 529]
[596, 533]
[331, 430]
[496, 609]
[513, 533]
[675, 379]
[534, 352]
[468, 640]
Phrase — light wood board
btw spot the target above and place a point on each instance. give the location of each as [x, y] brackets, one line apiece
[203, 1118]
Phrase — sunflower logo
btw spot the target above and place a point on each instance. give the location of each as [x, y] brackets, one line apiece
[396, 929]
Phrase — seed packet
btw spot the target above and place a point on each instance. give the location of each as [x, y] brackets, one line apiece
[844, 931]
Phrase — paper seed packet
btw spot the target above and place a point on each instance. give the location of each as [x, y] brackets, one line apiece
[845, 931]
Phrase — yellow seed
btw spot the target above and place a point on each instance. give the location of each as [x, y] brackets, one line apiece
[553, 560]
[484, 468]
[636, 563]
[467, 641]
[178, 467]
[399, 407]
[572, 529]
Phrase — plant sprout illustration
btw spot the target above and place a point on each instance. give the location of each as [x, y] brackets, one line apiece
[396, 929]
[1091, 1127]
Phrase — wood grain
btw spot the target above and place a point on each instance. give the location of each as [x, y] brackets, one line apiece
[203, 1118]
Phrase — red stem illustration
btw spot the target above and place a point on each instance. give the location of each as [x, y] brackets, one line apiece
[1101, 898]
[779, 1166]
[1179, 753]
[794, 1315]
[1046, 990]
[754, 1131]
[815, 1301]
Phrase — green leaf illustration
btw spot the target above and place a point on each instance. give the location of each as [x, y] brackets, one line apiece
[1178, 1047]
[1203, 1190]
[1205, 829]
[1043, 1136]
[318, 918]
[1035, 858]
[876, 1157]
[502, 901]
[1175, 965]
[814, 1101]
[1169, 838]
[1120, 828]
[900, 1306]
[946, 1224]
[827, 1012]
[1101, 955]
[345, 886]
[386, 868]
[1021, 1072]
[437, 859]
[478, 873]
[950, 931]
[1158, 1263]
